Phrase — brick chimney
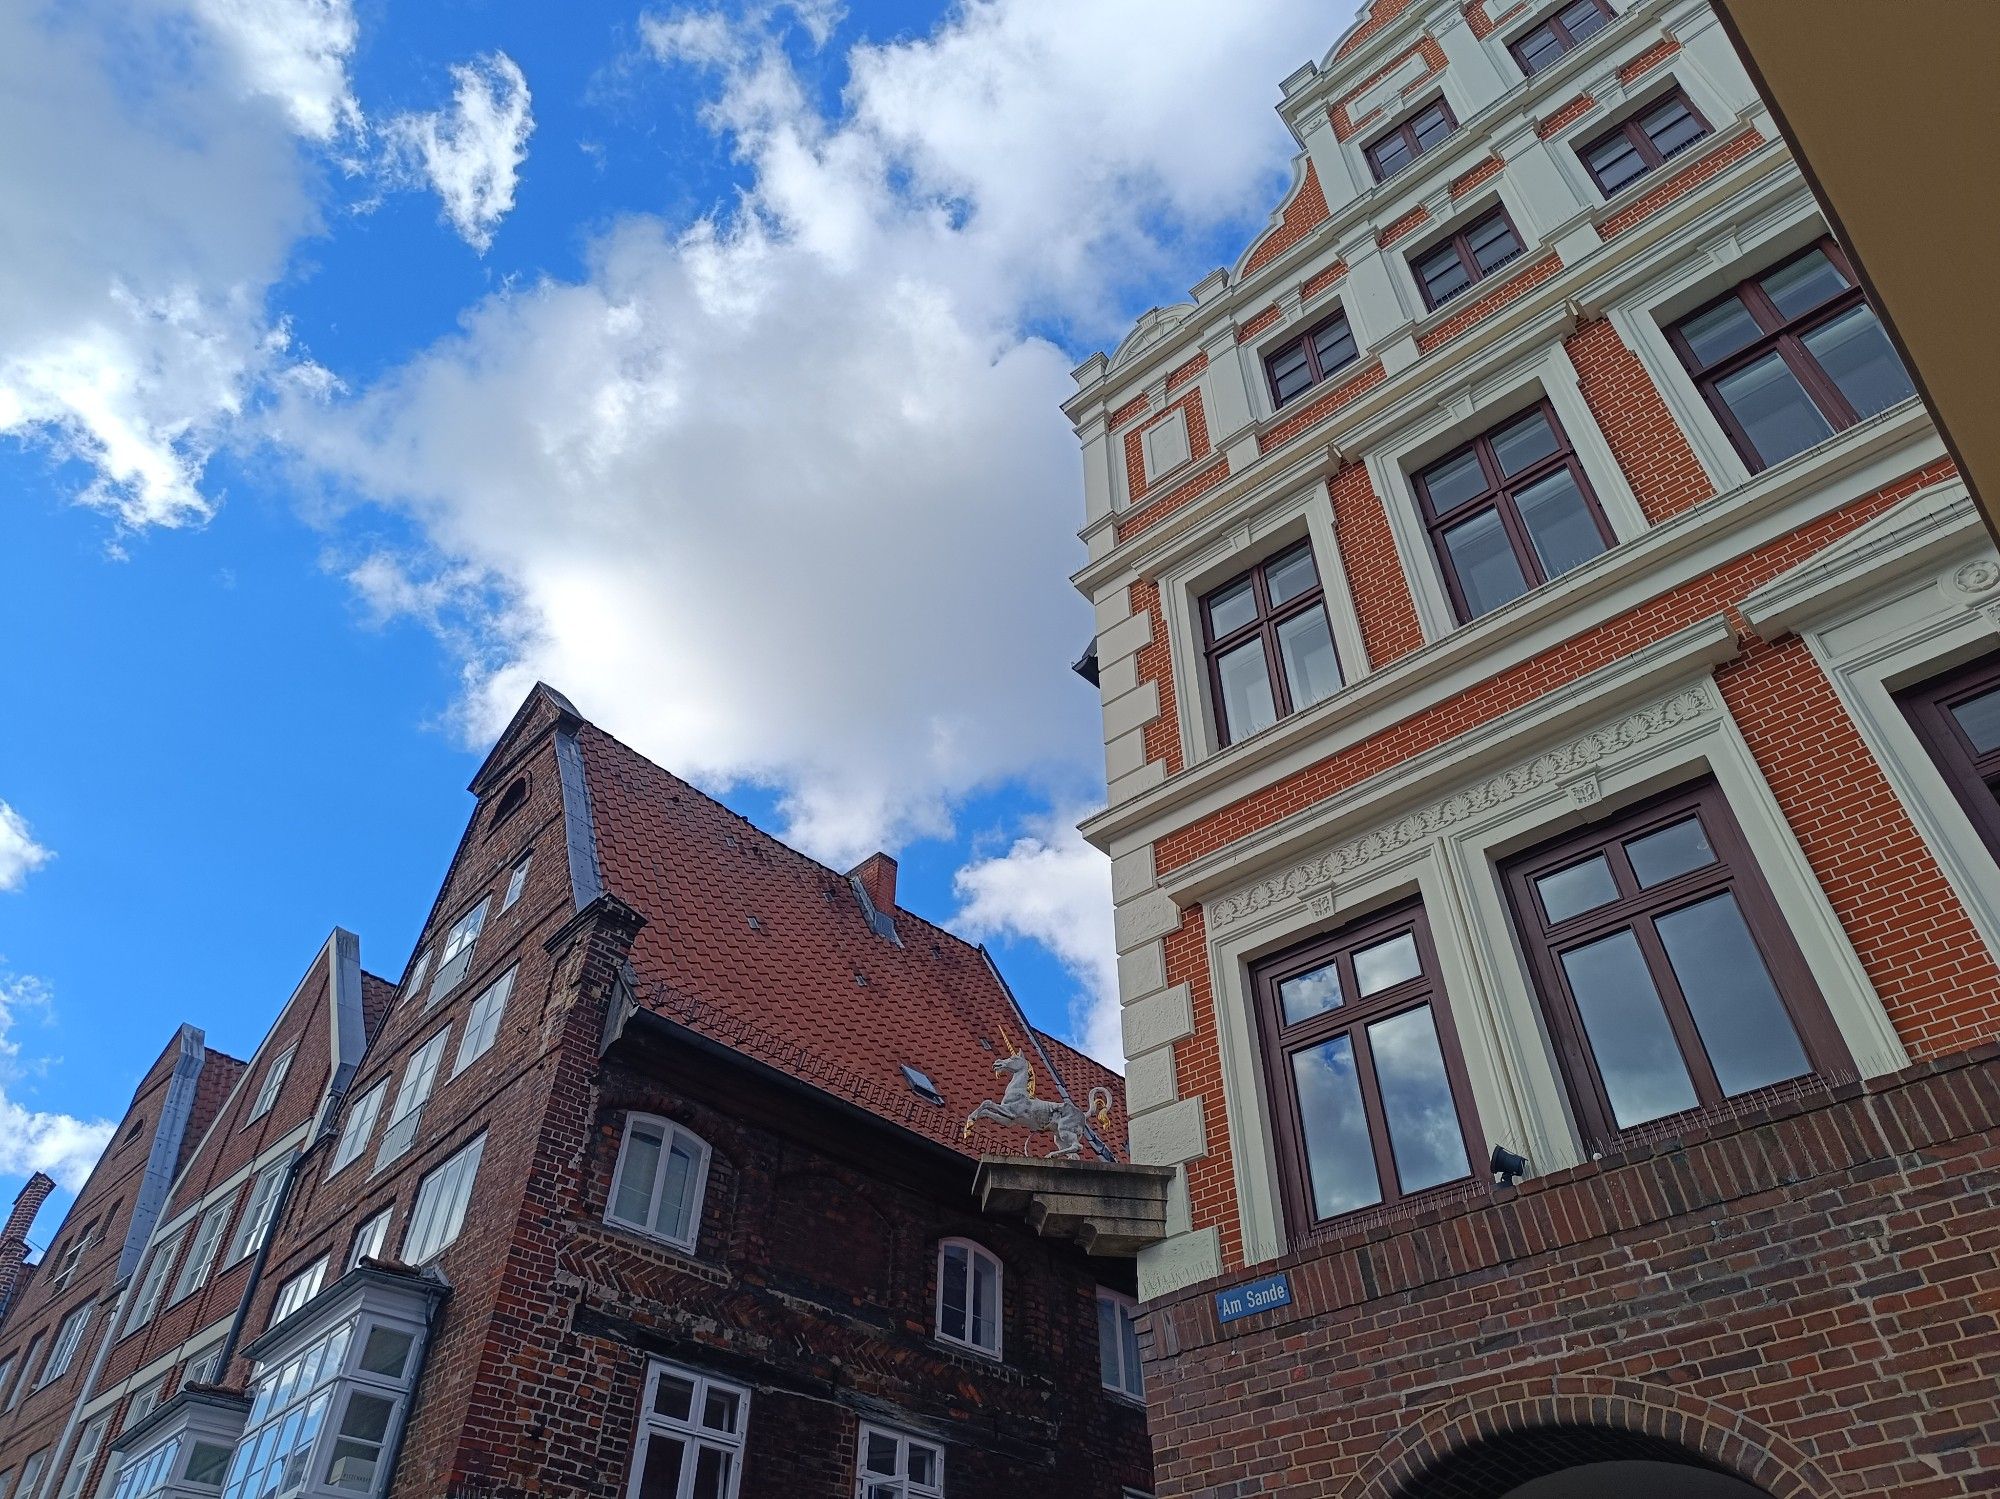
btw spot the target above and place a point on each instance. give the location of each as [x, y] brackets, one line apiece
[877, 874]
[14, 1237]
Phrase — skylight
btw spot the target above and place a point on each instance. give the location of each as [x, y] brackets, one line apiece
[922, 1085]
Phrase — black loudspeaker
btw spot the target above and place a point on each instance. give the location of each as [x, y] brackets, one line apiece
[1506, 1165]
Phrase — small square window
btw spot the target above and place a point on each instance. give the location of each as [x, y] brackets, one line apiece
[1568, 28]
[1402, 144]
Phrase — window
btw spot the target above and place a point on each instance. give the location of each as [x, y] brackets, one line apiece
[155, 1282]
[201, 1254]
[517, 879]
[62, 1352]
[27, 1363]
[1790, 357]
[86, 1453]
[337, 1401]
[149, 1472]
[1268, 645]
[205, 1368]
[894, 1466]
[256, 1220]
[144, 1403]
[1509, 511]
[419, 1073]
[511, 801]
[1395, 149]
[921, 1084]
[439, 1211]
[691, 1433]
[968, 1296]
[6, 1368]
[1472, 254]
[297, 1291]
[1296, 367]
[369, 1238]
[1626, 152]
[1957, 716]
[358, 1126]
[1369, 1095]
[274, 1079]
[1567, 28]
[72, 1256]
[482, 1024]
[1118, 1344]
[662, 1176]
[1667, 974]
[457, 955]
[417, 973]
[31, 1472]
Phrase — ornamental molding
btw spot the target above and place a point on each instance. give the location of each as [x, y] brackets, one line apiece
[1980, 575]
[1572, 767]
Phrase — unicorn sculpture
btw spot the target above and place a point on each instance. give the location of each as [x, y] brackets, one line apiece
[1019, 1106]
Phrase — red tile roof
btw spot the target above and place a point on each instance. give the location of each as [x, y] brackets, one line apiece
[771, 953]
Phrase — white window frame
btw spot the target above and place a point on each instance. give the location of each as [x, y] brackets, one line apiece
[372, 1231]
[417, 971]
[358, 1127]
[412, 1093]
[159, 1268]
[975, 1252]
[63, 1346]
[6, 1368]
[1126, 1380]
[460, 943]
[690, 1432]
[145, 1400]
[31, 1473]
[255, 1224]
[866, 1481]
[72, 1254]
[203, 1251]
[438, 1213]
[482, 1022]
[671, 1134]
[87, 1445]
[274, 1079]
[297, 1291]
[21, 1380]
[517, 880]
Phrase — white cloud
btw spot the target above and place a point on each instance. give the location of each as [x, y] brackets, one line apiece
[293, 51]
[153, 194]
[784, 495]
[471, 154]
[20, 855]
[1053, 888]
[32, 1139]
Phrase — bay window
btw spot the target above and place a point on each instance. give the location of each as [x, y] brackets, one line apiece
[1369, 1093]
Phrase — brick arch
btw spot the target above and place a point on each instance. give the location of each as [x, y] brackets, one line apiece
[1483, 1444]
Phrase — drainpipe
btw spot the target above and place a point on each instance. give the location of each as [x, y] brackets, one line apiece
[294, 1169]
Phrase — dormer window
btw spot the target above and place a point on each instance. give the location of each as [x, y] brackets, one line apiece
[921, 1085]
[1296, 367]
[1395, 149]
[1565, 30]
[1268, 645]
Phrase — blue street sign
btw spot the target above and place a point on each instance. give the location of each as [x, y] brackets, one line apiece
[1246, 1300]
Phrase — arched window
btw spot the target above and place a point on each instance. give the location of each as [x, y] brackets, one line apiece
[511, 801]
[662, 1173]
[968, 1296]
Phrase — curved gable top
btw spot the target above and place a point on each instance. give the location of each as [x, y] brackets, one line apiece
[1378, 15]
[1302, 210]
[1152, 328]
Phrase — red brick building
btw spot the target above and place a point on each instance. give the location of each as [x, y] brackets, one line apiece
[1551, 680]
[649, 1179]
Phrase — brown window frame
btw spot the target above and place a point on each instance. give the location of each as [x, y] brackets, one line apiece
[1970, 775]
[1558, 28]
[1635, 135]
[1460, 241]
[1266, 623]
[1735, 869]
[1776, 331]
[1281, 1040]
[1499, 495]
[1310, 342]
[1406, 131]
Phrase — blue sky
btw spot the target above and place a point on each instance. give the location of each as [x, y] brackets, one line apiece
[362, 362]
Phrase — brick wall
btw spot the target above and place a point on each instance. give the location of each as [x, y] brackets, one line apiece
[1651, 449]
[1805, 1297]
